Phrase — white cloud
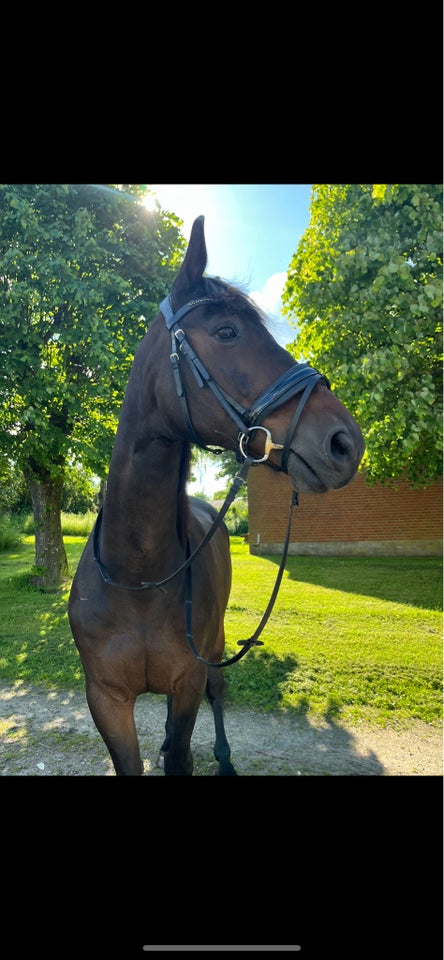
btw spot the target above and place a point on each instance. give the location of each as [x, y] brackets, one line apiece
[270, 299]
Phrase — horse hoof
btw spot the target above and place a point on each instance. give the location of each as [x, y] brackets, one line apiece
[227, 771]
[160, 762]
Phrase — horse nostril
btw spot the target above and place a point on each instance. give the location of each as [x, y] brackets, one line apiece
[340, 446]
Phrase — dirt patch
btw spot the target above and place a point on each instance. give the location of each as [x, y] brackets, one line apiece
[51, 733]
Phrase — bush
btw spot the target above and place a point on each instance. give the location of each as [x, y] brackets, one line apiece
[78, 524]
[79, 490]
[237, 519]
[27, 522]
[73, 524]
[14, 493]
[10, 532]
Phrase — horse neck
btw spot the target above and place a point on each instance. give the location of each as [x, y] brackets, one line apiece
[145, 516]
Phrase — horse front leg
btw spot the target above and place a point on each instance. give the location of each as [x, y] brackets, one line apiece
[114, 720]
[169, 733]
[214, 692]
[183, 707]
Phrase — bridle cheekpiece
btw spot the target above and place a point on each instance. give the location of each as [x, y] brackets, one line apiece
[299, 378]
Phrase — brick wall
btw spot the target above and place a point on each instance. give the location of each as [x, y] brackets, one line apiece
[354, 520]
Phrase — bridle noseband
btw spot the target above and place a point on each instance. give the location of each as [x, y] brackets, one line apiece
[299, 378]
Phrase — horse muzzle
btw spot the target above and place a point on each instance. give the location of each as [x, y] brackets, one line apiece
[316, 465]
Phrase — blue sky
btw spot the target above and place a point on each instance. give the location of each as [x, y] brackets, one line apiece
[252, 231]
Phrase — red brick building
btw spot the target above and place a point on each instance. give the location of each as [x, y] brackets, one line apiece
[356, 520]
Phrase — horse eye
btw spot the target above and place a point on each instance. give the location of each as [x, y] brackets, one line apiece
[226, 333]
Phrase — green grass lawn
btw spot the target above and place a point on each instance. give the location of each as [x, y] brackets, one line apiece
[354, 638]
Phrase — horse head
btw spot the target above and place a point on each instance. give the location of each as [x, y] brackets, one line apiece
[240, 390]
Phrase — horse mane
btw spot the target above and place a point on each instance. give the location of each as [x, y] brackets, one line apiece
[232, 298]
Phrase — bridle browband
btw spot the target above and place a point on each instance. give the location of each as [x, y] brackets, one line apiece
[299, 378]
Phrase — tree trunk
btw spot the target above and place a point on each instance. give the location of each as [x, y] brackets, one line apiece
[51, 564]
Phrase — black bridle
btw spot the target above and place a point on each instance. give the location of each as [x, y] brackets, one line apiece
[299, 378]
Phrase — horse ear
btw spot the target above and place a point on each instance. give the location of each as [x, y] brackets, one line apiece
[195, 261]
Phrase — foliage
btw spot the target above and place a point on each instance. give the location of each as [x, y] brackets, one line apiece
[14, 493]
[237, 519]
[229, 467]
[82, 270]
[365, 289]
[80, 489]
[10, 532]
[73, 524]
[228, 470]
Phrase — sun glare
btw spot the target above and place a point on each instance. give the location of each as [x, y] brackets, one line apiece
[150, 201]
[186, 200]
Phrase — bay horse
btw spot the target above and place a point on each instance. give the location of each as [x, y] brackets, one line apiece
[207, 372]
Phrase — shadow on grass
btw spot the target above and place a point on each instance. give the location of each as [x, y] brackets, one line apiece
[51, 733]
[36, 644]
[416, 581]
[267, 744]
[294, 742]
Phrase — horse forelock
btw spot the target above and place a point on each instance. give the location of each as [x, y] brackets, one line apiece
[228, 296]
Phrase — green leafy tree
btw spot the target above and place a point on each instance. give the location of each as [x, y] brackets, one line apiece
[80, 490]
[365, 290]
[82, 271]
[229, 468]
[14, 493]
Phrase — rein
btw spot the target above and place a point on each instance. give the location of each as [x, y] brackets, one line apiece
[153, 584]
[253, 640]
[300, 378]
